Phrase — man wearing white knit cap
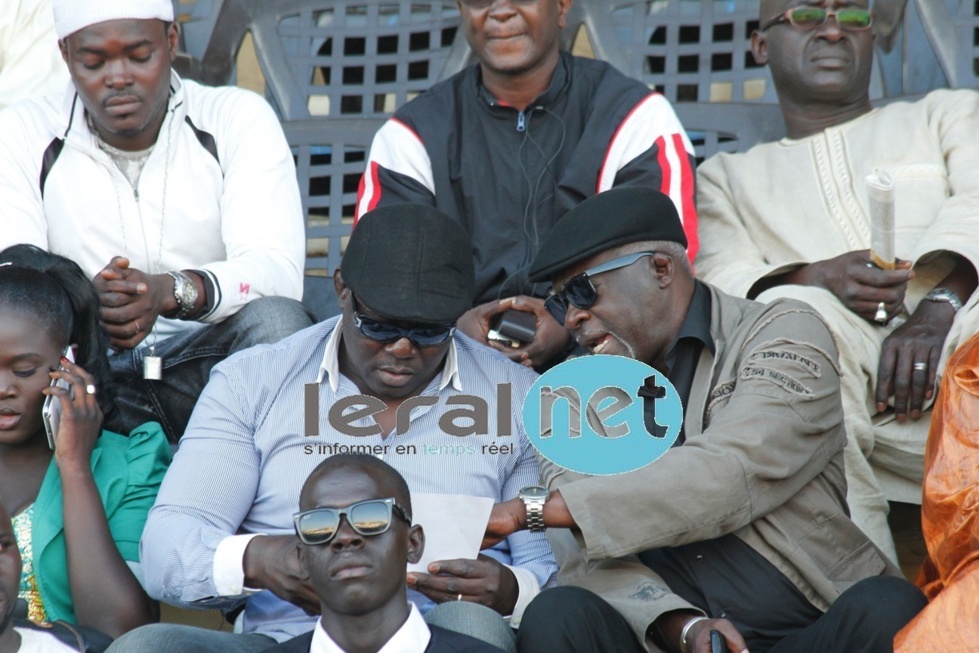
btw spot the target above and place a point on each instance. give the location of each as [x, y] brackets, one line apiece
[179, 200]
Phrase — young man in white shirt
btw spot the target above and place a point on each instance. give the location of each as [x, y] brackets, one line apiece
[356, 540]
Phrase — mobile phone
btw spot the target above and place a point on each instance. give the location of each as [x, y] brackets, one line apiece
[513, 328]
[717, 642]
[51, 412]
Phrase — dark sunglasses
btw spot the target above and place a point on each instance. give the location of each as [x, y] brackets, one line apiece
[371, 517]
[483, 4]
[422, 336]
[854, 20]
[579, 290]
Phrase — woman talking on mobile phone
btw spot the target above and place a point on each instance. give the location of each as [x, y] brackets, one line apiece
[78, 510]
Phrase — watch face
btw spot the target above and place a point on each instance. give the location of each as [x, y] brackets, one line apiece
[184, 290]
[534, 492]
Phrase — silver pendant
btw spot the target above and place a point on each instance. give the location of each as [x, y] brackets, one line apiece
[152, 368]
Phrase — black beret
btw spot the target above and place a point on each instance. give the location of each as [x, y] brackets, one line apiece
[411, 262]
[616, 217]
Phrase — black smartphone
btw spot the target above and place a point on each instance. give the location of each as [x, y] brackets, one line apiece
[513, 328]
[717, 642]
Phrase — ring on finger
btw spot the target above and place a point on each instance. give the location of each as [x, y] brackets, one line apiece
[880, 317]
[459, 598]
[90, 389]
[137, 326]
[920, 367]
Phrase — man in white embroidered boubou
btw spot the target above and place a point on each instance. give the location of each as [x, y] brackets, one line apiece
[792, 219]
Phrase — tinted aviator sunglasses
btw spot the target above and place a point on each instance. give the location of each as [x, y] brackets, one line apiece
[371, 517]
[854, 20]
[579, 290]
[422, 336]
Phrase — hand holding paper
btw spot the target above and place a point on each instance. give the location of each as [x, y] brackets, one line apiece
[451, 568]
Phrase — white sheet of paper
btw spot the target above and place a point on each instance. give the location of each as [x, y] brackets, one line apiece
[454, 525]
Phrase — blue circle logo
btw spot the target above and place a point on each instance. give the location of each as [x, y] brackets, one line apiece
[602, 415]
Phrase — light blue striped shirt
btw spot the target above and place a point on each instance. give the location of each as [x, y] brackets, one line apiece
[243, 460]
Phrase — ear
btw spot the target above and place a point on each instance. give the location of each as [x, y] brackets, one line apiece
[340, 287]
[759, 47]
[664, 269]
[563, 7]
[416, 543]
[63, 46]
[173, 38]
[303, 560]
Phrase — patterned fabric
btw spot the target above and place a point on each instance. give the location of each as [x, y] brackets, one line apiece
[28, 581]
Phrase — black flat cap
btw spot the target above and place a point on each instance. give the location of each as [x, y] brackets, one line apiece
[411, 262]
[616, 217]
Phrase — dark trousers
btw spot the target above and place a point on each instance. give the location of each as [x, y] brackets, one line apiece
[864, 619]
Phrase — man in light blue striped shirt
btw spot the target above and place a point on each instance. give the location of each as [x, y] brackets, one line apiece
[222, 529]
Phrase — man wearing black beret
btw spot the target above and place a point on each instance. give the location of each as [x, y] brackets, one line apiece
[742, 526]
[222, 529]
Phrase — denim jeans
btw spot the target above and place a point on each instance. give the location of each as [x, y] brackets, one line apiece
[187, 362]
[175, 638]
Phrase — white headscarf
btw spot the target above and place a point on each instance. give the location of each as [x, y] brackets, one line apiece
[73, 15]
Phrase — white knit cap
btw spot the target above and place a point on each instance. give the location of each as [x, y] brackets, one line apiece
[73, 15]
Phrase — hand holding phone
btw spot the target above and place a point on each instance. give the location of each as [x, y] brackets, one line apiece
[717, 642]
[51, 412]
[513, 328]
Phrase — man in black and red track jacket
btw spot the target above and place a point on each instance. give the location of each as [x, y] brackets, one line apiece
[511, 144]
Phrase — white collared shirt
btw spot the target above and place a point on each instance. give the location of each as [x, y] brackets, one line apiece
[412, 637]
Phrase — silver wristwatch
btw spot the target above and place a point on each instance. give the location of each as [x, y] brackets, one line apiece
[185, 292]
[945, 295]
[533, 497]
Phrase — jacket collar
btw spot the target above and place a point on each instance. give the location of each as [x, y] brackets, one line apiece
[560, 81]
[725, 314]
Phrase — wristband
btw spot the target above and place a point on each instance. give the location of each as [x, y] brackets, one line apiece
[945, 295]
[684, 647]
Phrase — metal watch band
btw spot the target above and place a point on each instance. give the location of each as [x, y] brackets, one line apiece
[535, 513]
[185, 292]
[945, 295]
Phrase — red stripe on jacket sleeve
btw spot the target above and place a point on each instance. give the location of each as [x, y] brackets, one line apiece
[687, 198]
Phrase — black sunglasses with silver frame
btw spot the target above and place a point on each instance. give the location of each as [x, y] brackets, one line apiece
[579, 290]
[371, 517]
